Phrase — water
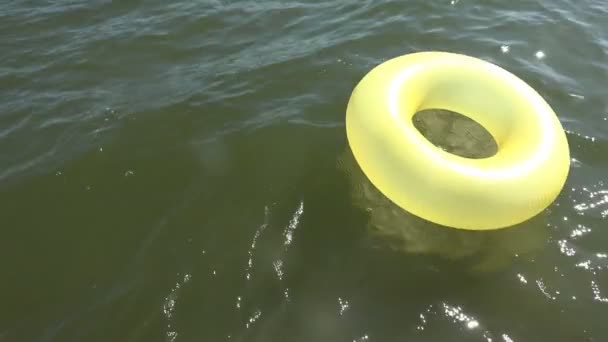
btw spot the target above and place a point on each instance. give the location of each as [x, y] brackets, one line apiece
[171, 172]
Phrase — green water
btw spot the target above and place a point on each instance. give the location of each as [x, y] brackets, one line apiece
[174, 171]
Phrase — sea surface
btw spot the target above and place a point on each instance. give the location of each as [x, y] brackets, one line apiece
[178, 171]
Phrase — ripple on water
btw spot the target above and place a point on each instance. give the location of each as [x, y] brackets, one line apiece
[170, 304]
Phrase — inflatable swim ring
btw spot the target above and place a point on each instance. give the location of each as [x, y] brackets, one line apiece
[522, 179]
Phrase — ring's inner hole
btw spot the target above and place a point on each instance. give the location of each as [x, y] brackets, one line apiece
[455, 133]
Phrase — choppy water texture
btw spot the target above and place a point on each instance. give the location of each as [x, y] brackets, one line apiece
[170, 171]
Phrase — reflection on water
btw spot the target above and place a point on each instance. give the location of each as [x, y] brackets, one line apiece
[598, 204]
[254, 314]
[288, 235]
[169, 307]
[390, 226]
[457, 315]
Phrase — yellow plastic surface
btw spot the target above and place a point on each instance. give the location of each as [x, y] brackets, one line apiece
[518, 182]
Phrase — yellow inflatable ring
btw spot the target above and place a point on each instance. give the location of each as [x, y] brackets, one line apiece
[522, 179]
